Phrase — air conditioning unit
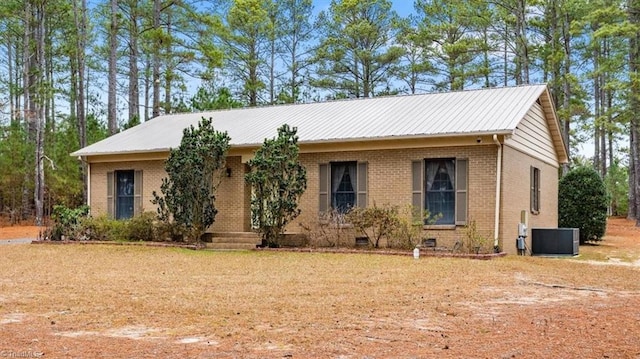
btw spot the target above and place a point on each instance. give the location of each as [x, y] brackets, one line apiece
[555, 241]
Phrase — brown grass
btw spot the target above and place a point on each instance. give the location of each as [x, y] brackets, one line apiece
[124, 301]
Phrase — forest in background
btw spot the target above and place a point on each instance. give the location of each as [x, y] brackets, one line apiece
[73, 72]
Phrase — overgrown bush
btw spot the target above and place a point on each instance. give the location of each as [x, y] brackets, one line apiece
[66, 222]
[194, 170]
[582, 203]
[278, 179]
[473, 241]
[374, 222]
[142, 228]
[103, 228]
[330, 231]
[409, 227]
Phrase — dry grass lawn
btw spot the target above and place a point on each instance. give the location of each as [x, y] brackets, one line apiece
[82, 301]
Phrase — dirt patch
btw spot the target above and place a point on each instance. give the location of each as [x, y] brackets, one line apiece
[130, 301]
[15, 232]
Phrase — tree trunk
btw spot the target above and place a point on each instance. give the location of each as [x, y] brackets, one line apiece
[134, 92]
[12, 103]
[80, 18]
[168, 71]
[633, 205]
[37, 106]
[566, 87]
[27, 115]
[112, 114]
[156, 59]
[633, 8]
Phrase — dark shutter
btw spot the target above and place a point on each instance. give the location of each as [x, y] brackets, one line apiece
[110, 198]
[324, 188]
[417, 186]
[535, 190]
[361, 185]
[538, 197]
[137, 193]
[461, 191]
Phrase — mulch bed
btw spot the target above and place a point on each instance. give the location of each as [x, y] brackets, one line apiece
[424, 252]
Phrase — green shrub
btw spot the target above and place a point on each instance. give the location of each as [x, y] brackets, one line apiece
[66, 222]
[374, 222]
[277, 179]
[142, 227]
[582, 203]
[103, 228]
[473, 241]
[330, 231]
[408, 231]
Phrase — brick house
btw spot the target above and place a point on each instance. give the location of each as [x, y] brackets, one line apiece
[482, 155]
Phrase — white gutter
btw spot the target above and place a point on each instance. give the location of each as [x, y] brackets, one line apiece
[496, 228]
[89, 186]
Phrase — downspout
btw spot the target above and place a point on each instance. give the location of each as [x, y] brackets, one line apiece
[89, 186]
[496, 228]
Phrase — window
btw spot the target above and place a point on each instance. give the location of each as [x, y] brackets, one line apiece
[440, 186]
[535, 190]
[124, 193]
[343, 185]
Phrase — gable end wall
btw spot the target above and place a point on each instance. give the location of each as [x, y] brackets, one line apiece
[533, 137]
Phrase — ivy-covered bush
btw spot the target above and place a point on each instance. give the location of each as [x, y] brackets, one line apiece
[67, 222]
[582, 203]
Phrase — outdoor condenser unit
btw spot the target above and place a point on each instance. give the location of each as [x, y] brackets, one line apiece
[555, 241]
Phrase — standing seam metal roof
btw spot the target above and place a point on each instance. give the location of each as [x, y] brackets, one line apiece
[496, 110]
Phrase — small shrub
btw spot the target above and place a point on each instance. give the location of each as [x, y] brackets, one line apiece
[170, 231]
[582, 203]
[330, 231]
[374, 222]
[409, 231]
[67, 222]
[103, 228]
[473, 241]
[142, 227]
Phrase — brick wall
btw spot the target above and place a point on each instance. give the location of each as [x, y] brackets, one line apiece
[390, 183]
[516, 196]
[230, 200]
[233, 211]
[152, 174]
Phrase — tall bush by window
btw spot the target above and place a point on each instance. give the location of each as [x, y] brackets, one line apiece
[193, 171]
[278, 180]
[582, 203]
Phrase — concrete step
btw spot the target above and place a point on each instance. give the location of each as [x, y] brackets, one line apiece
[232, 240]
[234, 234]
[230, 246]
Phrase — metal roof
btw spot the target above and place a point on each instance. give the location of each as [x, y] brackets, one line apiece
[471, 112]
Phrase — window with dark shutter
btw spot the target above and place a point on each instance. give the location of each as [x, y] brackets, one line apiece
[342, 185]
[124, 193]
[535, 190]
[440, 186]
[461, 192]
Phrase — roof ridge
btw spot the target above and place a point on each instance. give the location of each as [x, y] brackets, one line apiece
[350, 99]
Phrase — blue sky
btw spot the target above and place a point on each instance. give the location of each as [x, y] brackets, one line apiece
[402, 7]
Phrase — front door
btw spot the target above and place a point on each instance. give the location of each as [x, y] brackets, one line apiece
[125, 194]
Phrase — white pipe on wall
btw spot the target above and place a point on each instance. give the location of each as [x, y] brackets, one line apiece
[496, 228]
